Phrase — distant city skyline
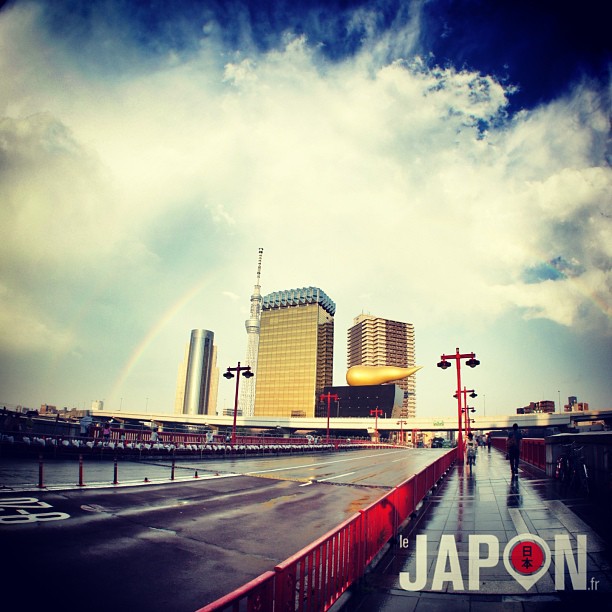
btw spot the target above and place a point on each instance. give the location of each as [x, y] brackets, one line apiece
[442, 163]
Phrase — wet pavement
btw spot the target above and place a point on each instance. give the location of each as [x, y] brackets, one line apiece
[549, 567]
[382, 467]
[175, 545]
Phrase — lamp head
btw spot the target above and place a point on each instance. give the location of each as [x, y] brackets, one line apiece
[472, 363]
[228, 375]
[444, 364]
[248, 374]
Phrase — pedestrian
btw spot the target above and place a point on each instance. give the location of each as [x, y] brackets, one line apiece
[513, 446]
[489, 442]
[106, 431]
[470, 446]
[85, 424]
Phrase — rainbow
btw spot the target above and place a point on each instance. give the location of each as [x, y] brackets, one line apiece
[148, 338]
[574, 274]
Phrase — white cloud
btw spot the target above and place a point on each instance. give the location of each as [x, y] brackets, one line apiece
[401, 182]
[23, 327]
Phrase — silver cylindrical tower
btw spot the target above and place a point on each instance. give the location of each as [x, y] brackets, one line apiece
[199, 371]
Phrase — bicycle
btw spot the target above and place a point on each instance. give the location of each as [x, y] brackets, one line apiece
[571, 468]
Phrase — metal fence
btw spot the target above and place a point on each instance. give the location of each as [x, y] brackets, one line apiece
[315, 577]
[533, 450]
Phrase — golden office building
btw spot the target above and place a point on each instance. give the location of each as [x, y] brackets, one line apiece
[296, 352]
[373, 341]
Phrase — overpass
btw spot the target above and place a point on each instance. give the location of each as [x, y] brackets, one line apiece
[341, 426]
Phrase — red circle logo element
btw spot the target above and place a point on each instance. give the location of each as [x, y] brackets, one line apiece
[527, 557]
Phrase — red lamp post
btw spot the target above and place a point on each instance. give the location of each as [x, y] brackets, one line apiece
[401, 424]
[469, 420]
[329, 396]
[466, 409]
[375, 413]
[246, 372]
[472, 362]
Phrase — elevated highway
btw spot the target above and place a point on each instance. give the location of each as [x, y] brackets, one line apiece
[348, 426]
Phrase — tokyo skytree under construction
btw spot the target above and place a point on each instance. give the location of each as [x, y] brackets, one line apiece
[247, 394]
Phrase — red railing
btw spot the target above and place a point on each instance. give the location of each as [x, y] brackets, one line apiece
[258, 594]
[316, 576]
[533, 450]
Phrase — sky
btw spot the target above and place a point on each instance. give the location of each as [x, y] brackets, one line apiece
[436, 162]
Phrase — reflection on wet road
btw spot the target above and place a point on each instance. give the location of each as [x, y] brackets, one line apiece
[176, 545]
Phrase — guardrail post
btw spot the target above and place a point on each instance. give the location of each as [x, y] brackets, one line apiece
[81, 483]
[40, 471]
[284, 588]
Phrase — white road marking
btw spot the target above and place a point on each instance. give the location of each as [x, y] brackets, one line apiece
[298, 467]
[333, 477]
[519, 523]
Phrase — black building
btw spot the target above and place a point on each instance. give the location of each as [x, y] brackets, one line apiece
[359, 401]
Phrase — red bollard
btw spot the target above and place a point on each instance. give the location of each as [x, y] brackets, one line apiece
[81, 484]
[196, 474]
[172, 471]
[40, 472]
[115, 481]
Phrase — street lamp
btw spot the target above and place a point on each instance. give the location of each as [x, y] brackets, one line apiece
[246, 372]
[401, 424]
[473, 394]
[329, 396]
[468, 427]
[472, 362]
[376, 412]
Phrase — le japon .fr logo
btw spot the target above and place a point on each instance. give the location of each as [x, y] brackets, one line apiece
[526, 558]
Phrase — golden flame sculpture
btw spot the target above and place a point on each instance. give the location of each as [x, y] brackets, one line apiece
[359, 376]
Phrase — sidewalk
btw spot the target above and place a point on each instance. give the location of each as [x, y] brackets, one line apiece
[489, 503]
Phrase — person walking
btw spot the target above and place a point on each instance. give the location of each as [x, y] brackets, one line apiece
[513, 447]
[470, 446]
[85, 425]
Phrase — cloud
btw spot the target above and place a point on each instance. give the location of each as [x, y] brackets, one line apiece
[24, 329]
[231, 295]
[401, 187]
[58, 203]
